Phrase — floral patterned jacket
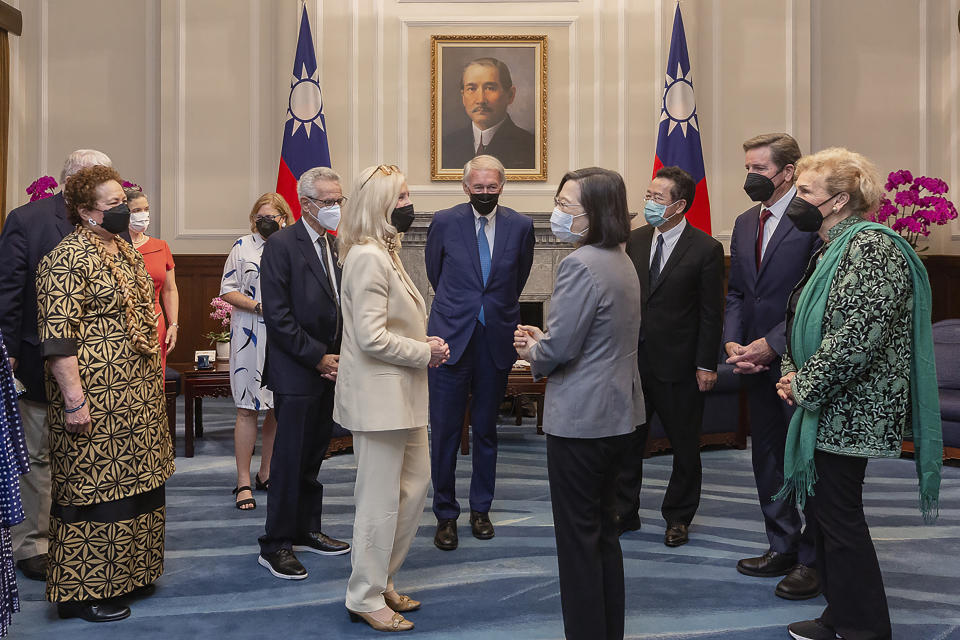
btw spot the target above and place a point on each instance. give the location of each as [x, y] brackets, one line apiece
[859, 377]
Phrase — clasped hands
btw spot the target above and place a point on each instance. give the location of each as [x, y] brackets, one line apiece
[439, 351]
[785, 388]
[524, 338]
[752, 358]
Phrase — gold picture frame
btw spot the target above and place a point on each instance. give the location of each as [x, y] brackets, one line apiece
[461, 114]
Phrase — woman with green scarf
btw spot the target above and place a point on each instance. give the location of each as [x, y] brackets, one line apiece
[859, 367]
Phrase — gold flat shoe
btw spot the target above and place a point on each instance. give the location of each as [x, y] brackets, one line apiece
[397, 622]
[400, 603]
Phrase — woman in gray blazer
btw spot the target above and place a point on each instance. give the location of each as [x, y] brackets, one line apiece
[594, 399]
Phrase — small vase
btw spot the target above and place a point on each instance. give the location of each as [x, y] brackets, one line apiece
[223, 351]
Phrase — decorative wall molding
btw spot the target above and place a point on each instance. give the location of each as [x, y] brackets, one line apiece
[44, 88]
[953, 87]
[923, 89]
[255, 124]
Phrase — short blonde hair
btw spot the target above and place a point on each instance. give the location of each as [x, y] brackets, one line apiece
[849, 172]
[366, 215]
[276, 201]
[478, 163]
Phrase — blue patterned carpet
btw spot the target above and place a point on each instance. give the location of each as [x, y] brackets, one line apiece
[507, 587]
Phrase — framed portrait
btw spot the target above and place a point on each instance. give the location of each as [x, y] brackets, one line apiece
[489, 96]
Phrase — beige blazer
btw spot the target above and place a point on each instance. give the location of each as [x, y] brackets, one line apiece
[382, 380]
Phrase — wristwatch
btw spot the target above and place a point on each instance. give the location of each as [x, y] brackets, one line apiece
[258, 309]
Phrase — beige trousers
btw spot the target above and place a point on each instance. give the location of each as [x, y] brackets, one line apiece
[393, 475]
[30, 537]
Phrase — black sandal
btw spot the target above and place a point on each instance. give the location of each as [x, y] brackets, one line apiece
[261, 486]
[242, 503]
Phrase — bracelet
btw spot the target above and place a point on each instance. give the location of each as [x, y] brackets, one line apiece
[173, 325]
[76, 408]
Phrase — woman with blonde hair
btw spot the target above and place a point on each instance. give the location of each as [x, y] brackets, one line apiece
[859, 367]
[381, 393]
[248, 343]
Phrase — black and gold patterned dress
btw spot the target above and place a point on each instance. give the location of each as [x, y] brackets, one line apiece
[107, 519]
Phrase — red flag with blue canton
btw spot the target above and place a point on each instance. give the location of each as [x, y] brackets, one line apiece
[305, 132]
[678, 140]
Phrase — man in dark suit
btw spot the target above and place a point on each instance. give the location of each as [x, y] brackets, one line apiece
[478, 257]
[301, 310]
[681, 278]
[486, 89]
[31, 232]
[768, 255]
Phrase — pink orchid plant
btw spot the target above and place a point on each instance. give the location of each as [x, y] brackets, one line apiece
[917, 204]
[221, 311]
[42, 187]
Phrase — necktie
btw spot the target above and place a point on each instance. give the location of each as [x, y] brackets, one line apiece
[481, 148]
[483, 246]
[322, 241]
[657, 257]
[764, 215]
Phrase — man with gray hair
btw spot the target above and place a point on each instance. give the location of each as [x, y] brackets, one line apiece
[300, 281]
[31, 232]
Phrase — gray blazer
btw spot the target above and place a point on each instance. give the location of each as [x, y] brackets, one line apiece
[589, 352]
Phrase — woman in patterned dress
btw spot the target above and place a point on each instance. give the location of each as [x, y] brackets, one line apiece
[248, 342]
[110, 451]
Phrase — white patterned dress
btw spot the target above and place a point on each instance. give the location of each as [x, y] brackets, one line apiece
[248, 334]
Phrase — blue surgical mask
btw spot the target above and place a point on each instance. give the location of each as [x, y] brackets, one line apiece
[560, 223]
[328, 217]
[653, 212]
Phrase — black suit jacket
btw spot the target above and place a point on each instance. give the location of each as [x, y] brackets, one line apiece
[511, 145]
[30, 232]
[681, 316]
[300, 312]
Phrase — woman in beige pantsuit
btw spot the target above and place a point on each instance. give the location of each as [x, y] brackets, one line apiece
[382, 393]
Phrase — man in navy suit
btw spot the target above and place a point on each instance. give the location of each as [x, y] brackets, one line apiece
[478, 257]
[768, 255]
[300, 282]
[31, 232]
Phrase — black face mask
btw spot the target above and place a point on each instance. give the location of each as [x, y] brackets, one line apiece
[759, 187]
[484, 203]
[402, 217]
[267, 226]
[805, 215]
[115, 219]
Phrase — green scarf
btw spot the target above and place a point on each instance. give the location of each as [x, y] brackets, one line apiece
[799, 471]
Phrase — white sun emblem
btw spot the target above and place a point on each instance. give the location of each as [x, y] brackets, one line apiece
[306, 102]
[679, 104]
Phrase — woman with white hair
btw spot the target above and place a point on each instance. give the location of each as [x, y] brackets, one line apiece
[381, 393]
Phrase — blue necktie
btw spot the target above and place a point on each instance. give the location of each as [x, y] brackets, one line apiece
[483, 247]
[657, 257]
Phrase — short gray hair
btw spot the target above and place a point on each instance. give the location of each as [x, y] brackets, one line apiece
[306, 185]
[479, 163]
[81, 159]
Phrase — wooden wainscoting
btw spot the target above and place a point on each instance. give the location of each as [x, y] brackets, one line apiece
[198, 280]
[944, 272]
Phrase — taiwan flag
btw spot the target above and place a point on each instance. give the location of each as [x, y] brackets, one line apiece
[305, 132]
[678, 139]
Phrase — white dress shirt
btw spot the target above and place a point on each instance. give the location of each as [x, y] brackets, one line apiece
[485, 136]
[327, 263]
[776, 214]
[670, 239]
[491, 224]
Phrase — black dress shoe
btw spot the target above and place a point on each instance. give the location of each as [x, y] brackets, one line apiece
[481, 525]
[630, 523]
[676, 535]
[768, 565]
[321, 543]
[283, 564]
[811, 630]
[802, 583]
[34, 567]
[446, 536]
[93, 610]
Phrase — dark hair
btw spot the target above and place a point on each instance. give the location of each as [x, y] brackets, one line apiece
[683, 186]
[80, 190]
[504, 72]
[603, 196]
[784, 149]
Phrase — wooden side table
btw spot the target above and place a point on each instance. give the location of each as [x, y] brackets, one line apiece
[519, 383]
[197, 385]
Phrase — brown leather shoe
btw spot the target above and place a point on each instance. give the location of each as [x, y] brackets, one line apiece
[768, 565]
[34, 567]
[397, 622]
[676, 535]
[399, 602]
[446, 537]
[480, 525]
[802, 583]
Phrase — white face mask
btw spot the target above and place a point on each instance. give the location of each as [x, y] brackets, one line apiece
[328, 217]
[139, 221]
[560, 223]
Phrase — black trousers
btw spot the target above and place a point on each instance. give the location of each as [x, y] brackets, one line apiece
[295, 496]
[849, 570]
[583, 475]
[680, 408]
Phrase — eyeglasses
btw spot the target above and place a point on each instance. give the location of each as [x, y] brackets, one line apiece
[276, 217]
[659, 199]
[327, 203]
[565, 205]
[387, 170]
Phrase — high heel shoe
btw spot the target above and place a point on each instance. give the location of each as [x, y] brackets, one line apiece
[399, 602]
[397, 622]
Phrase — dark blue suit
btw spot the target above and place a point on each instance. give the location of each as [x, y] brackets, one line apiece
[480, 355]
[302, 319]
[30, 233]
[756, 308]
